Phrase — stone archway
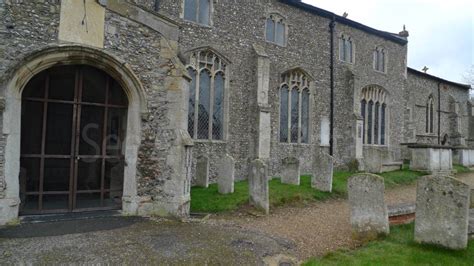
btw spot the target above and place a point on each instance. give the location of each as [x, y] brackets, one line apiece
[35, 63]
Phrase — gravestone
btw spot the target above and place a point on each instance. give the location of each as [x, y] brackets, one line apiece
[202, 172]
[369, 216]
[258, 186]
[442, 212]
[290, 173]
[225, 175]
[322, 172]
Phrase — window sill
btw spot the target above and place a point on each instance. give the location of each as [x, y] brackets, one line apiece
[380, 72]
[194, 23]
[276, 44]
[376, 145]
[427, 135]
[209, 141]
[295, 144]
[346, 62]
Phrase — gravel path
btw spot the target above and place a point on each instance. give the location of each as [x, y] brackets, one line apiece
[137, 241]
[317, 228]
[299, 231]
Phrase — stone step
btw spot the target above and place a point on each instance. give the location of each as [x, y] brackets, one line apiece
[392, 166]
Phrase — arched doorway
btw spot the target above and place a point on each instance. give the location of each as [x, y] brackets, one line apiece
[73, 126]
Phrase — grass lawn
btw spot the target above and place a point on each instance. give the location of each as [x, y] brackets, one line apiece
[460, 168]
[209, 200]
[398, 249]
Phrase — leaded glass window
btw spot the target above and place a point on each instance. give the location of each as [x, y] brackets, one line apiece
[218, 117]
[204, 104]
[284, 93]
[275, 29]
[363, 105]
[345, 49]
[370, 122]
[382, 125]
[197, 11]
[373, 112]
[294, 107]
[379, 59]
[376, 123]
[429, 115]
[207, 96]
[305, 117]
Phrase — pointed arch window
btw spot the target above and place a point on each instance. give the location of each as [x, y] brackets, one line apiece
[275, 29]
[197, 11]
[380, 59]
[374, 114]
[206, 98]
[295, 107]
[346, 47]
[429, 115]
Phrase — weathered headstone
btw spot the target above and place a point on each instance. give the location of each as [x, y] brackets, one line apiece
[290, 173]
[202, 172]
[225, 175]
[369, 215]
[442, 212]
[322, 172]
[258, 186]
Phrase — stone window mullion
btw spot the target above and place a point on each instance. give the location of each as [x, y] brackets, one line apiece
[198, 7]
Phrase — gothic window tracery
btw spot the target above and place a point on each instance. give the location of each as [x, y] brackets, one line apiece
[206, 97]
[346, 49]
[373, 109]
[429, 115]
[275, 29]
[380, 59]
[294, 107]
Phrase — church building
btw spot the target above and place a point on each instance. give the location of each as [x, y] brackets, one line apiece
[110, 104]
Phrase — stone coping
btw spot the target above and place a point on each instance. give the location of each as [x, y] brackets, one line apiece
[431, 146]
[401, 209]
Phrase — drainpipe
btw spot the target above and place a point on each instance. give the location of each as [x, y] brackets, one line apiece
[332, 25]
[439, 113]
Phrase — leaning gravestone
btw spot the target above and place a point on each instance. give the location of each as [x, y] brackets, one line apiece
[369, 216]
[225, 175]
[322, 172]
[202, 172]
[258, 186]
[290, 173]
[442, 212]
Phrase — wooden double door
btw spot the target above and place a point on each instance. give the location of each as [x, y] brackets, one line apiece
[73, 126]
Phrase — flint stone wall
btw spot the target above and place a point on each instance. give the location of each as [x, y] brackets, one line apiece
[258, 186]
[31, 26]
[369, 215]
[442, 212]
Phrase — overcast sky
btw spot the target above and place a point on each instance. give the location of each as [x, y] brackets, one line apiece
[441, 31]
